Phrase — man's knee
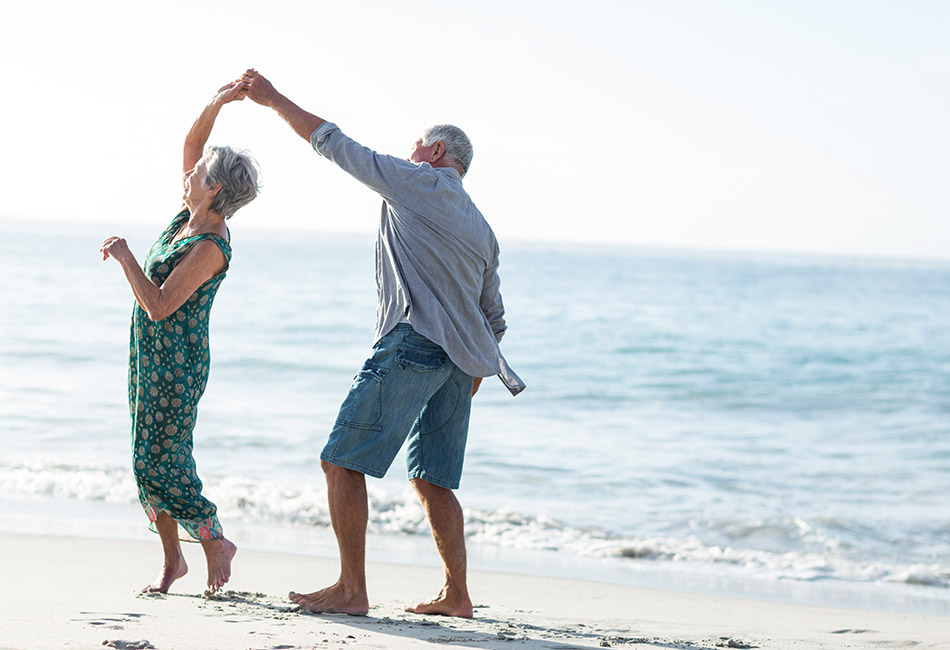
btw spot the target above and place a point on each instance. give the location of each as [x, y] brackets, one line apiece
[337, 473]
[425, 489]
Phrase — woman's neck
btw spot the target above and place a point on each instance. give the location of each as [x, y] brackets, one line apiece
[202, 220]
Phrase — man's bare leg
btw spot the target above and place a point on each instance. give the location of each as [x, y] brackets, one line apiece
[175, 566]
[448, 530]
[219, 553]
[349, 511]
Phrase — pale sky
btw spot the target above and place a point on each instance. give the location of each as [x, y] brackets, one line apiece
[807, 126]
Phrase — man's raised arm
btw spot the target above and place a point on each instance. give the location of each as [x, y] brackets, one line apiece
[261, 91]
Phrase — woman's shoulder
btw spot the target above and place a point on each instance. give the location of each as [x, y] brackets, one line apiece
[207, 242]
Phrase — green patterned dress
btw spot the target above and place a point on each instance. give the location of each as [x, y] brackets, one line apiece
[168, 370]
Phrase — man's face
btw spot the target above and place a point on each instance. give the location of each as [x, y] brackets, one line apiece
[421, 154]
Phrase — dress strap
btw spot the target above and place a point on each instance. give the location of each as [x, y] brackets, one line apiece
[186, 244]
[175, 226]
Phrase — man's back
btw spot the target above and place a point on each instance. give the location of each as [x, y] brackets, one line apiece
[436, 257]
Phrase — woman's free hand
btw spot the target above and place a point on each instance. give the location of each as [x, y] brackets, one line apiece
[116, 248]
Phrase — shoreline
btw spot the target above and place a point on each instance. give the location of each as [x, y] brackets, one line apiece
[80, 592]
[89, 520]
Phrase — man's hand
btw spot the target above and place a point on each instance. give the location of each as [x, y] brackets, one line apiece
[259, 89]
[477, 381]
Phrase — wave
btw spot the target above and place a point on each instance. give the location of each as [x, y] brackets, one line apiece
[279, 503]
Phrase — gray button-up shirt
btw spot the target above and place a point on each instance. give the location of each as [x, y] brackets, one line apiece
[436, 256]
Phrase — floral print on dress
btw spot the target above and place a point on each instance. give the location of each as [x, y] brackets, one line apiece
[169, 362]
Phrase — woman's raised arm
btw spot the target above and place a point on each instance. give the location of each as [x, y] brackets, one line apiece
[198, 134]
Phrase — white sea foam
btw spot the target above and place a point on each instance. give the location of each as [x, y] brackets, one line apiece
[273, 502]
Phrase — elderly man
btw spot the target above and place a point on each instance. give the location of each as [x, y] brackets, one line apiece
[439, 320]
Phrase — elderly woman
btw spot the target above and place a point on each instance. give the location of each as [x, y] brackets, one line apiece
[169, 358]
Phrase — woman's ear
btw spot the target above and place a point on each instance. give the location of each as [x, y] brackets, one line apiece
[214, 189]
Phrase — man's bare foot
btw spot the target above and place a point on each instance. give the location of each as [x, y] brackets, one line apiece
[170, 573]
[219, 553]
[332, 600]
[449, 602]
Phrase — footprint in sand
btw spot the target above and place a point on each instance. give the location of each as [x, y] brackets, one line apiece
[852, 631]
[108, 621]
[128, 645]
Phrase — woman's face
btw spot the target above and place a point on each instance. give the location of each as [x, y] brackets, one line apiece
[195, 190]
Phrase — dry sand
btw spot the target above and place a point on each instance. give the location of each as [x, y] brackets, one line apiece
[64, 592]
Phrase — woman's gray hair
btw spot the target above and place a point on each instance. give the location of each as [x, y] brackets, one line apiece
[237, 174]
[458, 148]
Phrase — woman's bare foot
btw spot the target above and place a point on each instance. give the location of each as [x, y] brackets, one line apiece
[449, 602]
[172, 570]
[219, 553]
[332, 600]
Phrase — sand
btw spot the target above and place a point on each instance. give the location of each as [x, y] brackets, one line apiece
[65, 592]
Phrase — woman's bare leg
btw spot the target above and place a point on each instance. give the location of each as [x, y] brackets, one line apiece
[219, 553]
[174, 566]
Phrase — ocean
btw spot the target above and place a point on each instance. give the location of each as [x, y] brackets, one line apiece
[771, 426]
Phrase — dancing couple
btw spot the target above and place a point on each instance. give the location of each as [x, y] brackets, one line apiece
[440, 319]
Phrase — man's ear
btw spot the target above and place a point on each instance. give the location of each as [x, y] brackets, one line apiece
[438, 151]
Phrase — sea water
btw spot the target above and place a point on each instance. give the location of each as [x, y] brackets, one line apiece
[729, 422]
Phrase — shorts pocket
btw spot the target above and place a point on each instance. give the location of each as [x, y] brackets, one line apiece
[363, 406]
[420, 354]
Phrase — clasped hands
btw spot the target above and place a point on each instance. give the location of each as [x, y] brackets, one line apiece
[251, 84]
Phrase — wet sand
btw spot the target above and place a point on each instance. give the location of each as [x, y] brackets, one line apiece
[65, 592]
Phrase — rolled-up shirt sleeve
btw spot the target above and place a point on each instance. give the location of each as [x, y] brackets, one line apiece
[384, 174]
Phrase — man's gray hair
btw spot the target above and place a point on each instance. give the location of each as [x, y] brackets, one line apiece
[458, 148]
[237, 174]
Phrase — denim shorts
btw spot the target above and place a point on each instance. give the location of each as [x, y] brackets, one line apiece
[408, 388]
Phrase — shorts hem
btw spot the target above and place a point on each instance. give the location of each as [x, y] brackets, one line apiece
[353, 466]
[448, 485]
